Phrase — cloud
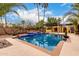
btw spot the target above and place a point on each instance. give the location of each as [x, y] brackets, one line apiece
[28, 15]
[64, 21]
[63, 4]
[48, 13]
[32, 14]
[57, 16]
[66, 5]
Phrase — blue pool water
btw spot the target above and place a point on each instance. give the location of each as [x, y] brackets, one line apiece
[43, 40]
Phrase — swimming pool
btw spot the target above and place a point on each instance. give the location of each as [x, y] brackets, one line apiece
[43, 40]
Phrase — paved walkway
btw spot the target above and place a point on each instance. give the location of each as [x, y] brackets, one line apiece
[19, 49]
[71, 48]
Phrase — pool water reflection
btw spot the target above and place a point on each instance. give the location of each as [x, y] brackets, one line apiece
[43, 40]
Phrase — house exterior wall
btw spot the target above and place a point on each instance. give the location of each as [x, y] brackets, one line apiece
[60, 28]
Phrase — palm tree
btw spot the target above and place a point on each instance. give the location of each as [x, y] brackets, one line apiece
[40, 24]
[44, 5]
[37, 5]
[23, 23]
[53, 21]
[74, 16]
[74, 21]
[75, 6]
[6, 7]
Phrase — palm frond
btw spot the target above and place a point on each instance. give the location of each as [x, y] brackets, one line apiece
[75, 6]
[14, 12]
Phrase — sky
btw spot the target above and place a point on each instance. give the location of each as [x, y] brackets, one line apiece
[58, 9]
[53, 10]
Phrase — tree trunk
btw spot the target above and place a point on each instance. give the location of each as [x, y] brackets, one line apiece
[38, 11]
[5, 21]
[44, 14]
[3, 27]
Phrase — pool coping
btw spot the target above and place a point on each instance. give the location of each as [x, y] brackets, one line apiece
[54, 52]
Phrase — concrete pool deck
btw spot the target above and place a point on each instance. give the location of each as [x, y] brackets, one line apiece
[69, 48]
[19, 49]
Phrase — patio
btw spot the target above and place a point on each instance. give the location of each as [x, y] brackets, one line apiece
[19, 49]
[69, 48]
